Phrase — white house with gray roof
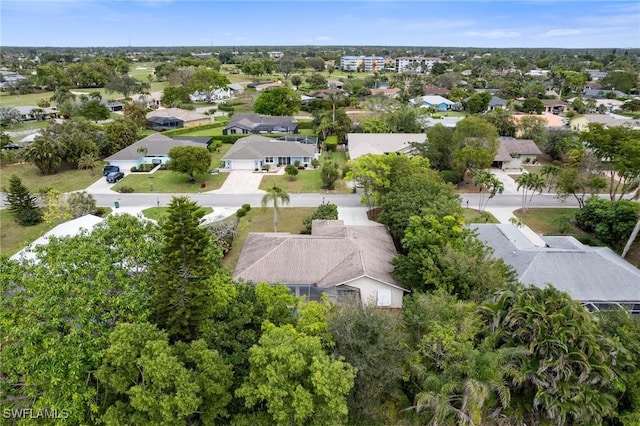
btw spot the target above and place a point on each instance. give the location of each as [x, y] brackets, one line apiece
[254, 152]
[595, 276]
[345, 262]
[360, 144]
[246, 123]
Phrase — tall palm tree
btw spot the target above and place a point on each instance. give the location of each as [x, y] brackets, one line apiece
[530, 184]
[275, 195]
[486, 180]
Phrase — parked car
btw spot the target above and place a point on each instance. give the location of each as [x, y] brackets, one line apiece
[110, 169]
[114, 177]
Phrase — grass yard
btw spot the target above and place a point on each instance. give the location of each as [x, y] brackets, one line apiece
[64, 181]
[260, 219]
[14, 237]
[167, 181]
[157, 213]
[548, 221]
[305, 181]
[476, 216]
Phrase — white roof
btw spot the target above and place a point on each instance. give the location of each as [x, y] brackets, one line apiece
[435, 100]
[67, 229]
[381, 143]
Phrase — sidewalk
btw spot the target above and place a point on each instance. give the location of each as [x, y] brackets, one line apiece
[504, 214]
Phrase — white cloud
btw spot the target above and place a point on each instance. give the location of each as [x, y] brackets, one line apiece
[493, 34]
[561, 32]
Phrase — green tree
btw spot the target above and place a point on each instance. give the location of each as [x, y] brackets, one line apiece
[207, 80]
[189, 160]
[295, 381]
[291, 171]
[172, 96]
[280, 101]
[135, 113]
[611, 221]
[563, 369]
[403, 120]
[277, 196]
[9, 116]
[58, 209]
[442, 254]
[475, 144]
[620, 80]
[530, 184]
[45, 154]
[503, 122]
[94, 110]
[317, 81]
[325, 211]
[187, 275]
[22, 203]
[373, 125]
[532, 106]
[484, 179]
[373, 341]
[478, 103]
[154, 382]
[329, 174]
[55, 327]
[439, 147]
[118, 135]
[125, 84]
[81, 203]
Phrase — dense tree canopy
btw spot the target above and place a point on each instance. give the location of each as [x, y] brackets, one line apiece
[278, 101]
[190, 160]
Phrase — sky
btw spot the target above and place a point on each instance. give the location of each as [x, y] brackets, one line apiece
[455, 23]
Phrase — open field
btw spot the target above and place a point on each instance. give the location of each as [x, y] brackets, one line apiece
[65, 180]
[260, 219]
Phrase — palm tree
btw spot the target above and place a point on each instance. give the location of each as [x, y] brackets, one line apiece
[275, 195]
[530, 184]
[550, 174]
[90, 162]
[486, 180]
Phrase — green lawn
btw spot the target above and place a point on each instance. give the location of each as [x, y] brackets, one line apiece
[261, 220]
[546, 221]
[157, 213]
[305, 181]
[167, 181]
[64, 181]
[14, 237]
[476, 216]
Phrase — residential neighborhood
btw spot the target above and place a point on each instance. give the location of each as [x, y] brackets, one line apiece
[364, 234]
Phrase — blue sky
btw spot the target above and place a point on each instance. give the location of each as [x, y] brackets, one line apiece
[506, 23]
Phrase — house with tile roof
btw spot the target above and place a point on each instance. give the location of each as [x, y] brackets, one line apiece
[514, 153]
[345, 262]
[254, 152]
[595, 276]
[249, 122]
[580, 123]
[433, 101]
[360, 144]
[154, 149]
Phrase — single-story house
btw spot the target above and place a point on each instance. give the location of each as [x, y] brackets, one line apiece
[267, 86]
[188, 118]
[603, 94]
[325, 93]
[497, 102]
[595, 276]
[218, 94]
[246, 123]
[235, 88]
[10, 79]
[596, 74]
[391, 92]
[360, 144]
[435, 101]
[434, 90]
[556, 106]
[113, 106]
[154, 149]
[73, 227]
[450, 122]
[254, 152]
[30, 112]
[160, 124]
[552, 121]
[345, 262]
[580, 123]
[335, 84]
[513, 153]
[311, 140]
[148, 100]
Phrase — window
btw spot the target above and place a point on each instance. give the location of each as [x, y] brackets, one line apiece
[384, 297]
[268, 159]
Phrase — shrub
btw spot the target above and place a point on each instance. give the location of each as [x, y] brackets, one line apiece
[246, 207]
[134, 169]
[331, 143]
[266, 167]
[324, 212]
[126, 190]
[315, 163]
[450, 176]
[101, 211]
[241, 213]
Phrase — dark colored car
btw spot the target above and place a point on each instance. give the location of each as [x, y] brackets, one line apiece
[11, 146]
[114, 177]
[110, 169]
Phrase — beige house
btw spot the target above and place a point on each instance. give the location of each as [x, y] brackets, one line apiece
[581, 123]
[514, 153]
[345, 262]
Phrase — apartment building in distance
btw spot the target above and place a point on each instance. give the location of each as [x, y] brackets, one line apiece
[362, 63]
[419, 64]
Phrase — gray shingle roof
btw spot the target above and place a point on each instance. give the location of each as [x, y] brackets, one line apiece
[156, 144]
[252, 122]
[333, 255]
[256, 147]
[588, 274]
[182, 114]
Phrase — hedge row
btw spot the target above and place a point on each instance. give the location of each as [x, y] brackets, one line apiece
[305, 124]
[178, 132]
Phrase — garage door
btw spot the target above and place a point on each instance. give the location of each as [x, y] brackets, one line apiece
[243, 165]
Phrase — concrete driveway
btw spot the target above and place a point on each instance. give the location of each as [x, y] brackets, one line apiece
[240, 182]
[354, 216]
[101, 186]
[510, 185]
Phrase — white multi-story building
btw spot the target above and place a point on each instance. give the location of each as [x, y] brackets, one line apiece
[362, 63]
[417, 64]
